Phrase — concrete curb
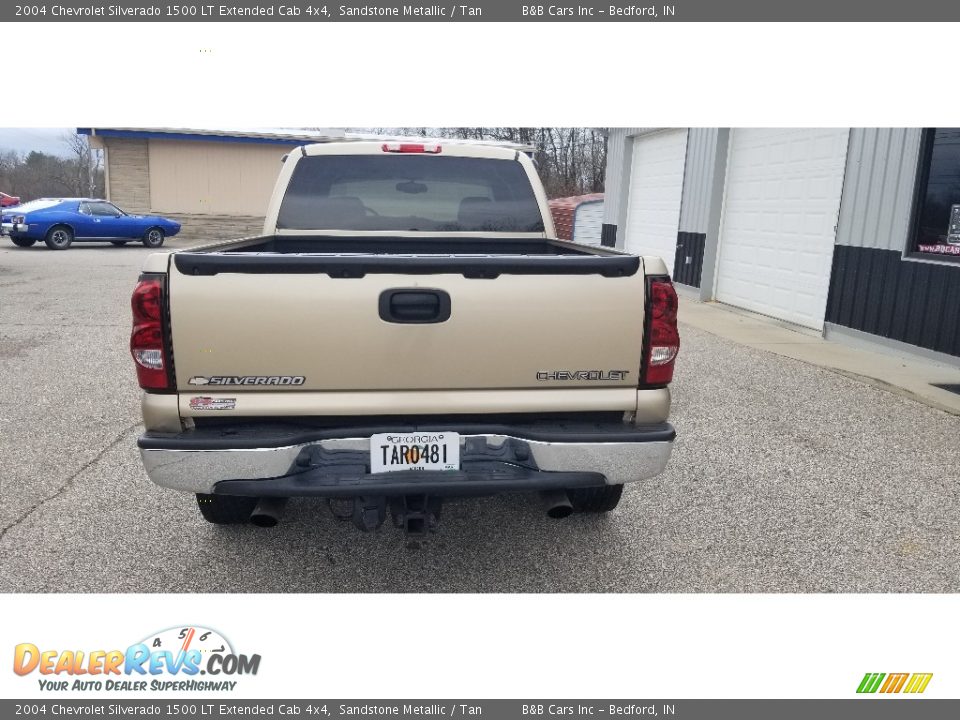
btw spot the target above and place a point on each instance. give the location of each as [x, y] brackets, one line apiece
[894, 372]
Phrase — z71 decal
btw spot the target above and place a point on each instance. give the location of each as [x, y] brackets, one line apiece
[209, 403]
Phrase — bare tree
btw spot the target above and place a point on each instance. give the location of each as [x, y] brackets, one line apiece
[36, 174]
[88, 164]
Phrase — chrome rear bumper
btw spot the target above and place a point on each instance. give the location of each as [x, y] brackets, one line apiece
[340, 465]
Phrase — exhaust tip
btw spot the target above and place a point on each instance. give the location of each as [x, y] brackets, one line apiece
[264, 521]
[558, 504]
[267, 512]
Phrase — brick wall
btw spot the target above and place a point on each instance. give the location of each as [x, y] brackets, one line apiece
[216, 227]
[129, 174]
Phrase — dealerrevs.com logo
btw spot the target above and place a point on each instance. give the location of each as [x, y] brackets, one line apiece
[893, 683]
[187, 658]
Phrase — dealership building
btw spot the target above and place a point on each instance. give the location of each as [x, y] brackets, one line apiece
[216, 183]
[854, 233]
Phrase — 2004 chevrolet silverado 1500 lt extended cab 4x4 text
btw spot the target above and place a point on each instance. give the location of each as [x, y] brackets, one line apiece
[407, 329]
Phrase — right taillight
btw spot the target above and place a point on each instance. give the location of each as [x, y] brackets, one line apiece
[147, 342]
[662, 339]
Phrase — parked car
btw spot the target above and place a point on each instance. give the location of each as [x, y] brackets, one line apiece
[407, 329]
[61, 221]
[8, 200]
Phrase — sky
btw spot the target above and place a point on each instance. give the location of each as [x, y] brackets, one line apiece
[23, 140]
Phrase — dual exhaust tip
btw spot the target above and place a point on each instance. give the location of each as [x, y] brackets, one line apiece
[557, 503]
[269, 510]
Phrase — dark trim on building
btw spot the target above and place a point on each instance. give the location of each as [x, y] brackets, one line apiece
[608, 235]
[919, 193]
[199, 137]
[920, 188]
[688, 262]
[875, 291]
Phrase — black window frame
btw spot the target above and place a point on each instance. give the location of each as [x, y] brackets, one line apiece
[920, 184]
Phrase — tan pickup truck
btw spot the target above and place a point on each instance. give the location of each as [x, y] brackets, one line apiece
[406, 329]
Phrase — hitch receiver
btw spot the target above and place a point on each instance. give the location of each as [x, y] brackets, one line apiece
[418, 515]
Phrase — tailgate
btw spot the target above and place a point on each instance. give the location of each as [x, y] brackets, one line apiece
[308, 329]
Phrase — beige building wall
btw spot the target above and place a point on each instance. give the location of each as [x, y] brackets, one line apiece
[128, 174]
[213, 178]
[216, 190]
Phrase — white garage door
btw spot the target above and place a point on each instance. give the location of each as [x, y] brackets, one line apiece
[588, 223]
[779, 218]
[656, 186]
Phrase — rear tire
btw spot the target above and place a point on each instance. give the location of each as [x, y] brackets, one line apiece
[226, 509]
[23, 242]
[595, 499]
[59, 237]
[153, 238]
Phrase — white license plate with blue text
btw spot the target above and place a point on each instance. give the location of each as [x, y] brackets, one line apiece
[390, 452]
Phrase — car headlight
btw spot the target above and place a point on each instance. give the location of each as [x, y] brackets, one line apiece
[20, 219]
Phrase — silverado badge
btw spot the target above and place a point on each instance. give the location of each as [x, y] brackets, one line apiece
[248, 380]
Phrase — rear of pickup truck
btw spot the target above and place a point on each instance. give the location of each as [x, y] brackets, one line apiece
[405, 330]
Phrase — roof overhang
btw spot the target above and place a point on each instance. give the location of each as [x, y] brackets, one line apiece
[268, 136]
[275, 136]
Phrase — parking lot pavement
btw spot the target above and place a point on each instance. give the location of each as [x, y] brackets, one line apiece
[785, 477]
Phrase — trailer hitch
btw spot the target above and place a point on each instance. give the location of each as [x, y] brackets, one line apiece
[418, 515]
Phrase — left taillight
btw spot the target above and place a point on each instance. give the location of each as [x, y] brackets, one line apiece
[148, 343]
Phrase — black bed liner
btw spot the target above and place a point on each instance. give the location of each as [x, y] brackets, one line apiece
[352, 257]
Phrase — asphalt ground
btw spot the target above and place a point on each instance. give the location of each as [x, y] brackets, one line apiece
[785, 478]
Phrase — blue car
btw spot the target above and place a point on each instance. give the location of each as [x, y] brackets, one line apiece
[60, 222]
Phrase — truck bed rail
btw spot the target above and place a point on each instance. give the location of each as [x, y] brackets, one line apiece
[359, 265]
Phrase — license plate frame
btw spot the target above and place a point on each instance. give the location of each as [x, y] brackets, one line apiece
[423, 451]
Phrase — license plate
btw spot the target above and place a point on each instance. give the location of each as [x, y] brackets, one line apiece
[390, 452]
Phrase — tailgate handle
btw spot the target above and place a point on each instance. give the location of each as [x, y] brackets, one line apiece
[414, 305]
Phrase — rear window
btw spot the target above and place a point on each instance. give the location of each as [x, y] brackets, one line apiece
[409, 193]
[33, 205]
